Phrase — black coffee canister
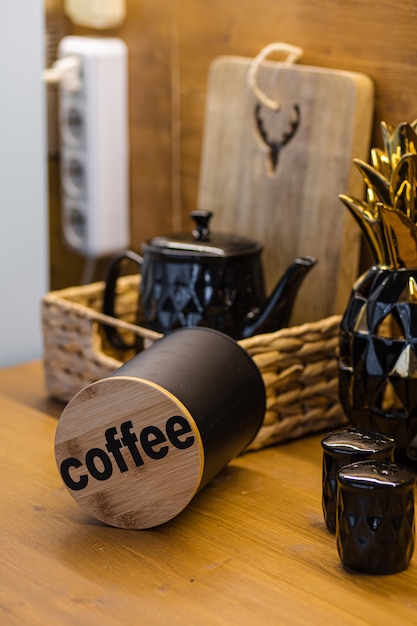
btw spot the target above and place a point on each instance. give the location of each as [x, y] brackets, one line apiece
[135, 447]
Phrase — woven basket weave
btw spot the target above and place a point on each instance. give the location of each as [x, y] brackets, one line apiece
[299, 365]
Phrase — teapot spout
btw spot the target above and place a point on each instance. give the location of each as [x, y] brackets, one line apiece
[276, 312]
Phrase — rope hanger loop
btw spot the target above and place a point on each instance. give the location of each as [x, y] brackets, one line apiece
[294, 53]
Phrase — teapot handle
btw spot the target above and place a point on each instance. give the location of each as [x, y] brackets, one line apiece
[113, 273]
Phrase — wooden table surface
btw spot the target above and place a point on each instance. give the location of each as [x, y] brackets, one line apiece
[251, 548]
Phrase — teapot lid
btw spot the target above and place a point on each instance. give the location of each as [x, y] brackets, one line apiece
[200, 241]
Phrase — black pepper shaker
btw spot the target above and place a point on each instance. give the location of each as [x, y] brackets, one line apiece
[342, 447]
[375, 530]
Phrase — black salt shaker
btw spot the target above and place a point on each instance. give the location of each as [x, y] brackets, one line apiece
[342, 447]
[375, 517]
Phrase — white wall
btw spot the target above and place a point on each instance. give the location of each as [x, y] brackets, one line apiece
[23, 182]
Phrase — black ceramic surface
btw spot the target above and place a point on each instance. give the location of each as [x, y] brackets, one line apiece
[343, 447]
[215, 292]
[375, 529]
[378, 358]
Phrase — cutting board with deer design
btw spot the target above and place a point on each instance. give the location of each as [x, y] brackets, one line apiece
[276, 176]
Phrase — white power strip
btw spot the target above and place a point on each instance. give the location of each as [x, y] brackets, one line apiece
[93, 123]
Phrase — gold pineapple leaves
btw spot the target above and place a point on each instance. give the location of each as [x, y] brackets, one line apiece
[388, 216]
[400, 235]
[404, 186]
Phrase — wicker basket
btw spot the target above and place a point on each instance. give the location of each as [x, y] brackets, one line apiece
[298, 364]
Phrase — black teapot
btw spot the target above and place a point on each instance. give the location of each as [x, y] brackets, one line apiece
[205, 279]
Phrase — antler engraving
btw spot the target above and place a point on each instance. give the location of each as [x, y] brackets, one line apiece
[274, 147]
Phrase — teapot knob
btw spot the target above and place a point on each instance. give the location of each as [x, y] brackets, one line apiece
[201, 230]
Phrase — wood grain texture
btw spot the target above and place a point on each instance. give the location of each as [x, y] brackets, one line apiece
[137, 477]
[292, 208]
[251, 548]
[352, 36]
[171, 46]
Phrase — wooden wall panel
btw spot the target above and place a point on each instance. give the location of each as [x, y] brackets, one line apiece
[172, 43]
[378, 39]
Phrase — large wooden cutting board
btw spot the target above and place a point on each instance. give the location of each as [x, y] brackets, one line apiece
[295, 210]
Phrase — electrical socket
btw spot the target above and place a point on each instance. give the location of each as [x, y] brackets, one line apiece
[93, 123]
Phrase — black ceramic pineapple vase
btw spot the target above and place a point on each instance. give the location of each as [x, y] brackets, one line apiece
[378, 357]
[378, 337]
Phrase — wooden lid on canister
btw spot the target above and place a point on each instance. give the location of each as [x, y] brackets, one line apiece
[98, 454]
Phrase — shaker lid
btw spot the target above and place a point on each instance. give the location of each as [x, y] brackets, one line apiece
[372, 475]
[357, 442]
[202, 242]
